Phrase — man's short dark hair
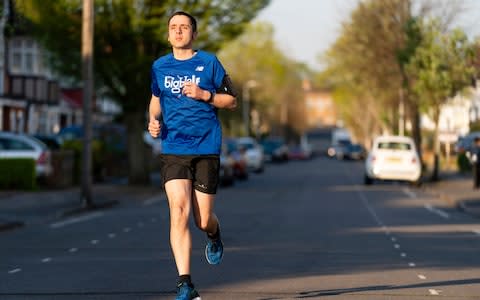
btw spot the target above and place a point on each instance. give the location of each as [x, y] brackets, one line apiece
[193, 22]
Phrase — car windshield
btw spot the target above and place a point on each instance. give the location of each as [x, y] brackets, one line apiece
[247, 145]
[394, 146]
[272, 144]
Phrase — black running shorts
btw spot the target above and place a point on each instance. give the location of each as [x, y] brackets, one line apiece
[203, 170]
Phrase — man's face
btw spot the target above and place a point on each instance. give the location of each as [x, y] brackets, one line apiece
[180, 32]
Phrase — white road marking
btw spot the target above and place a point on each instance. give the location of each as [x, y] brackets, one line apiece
[127, 229]
[46, 259]
[476, 232]
[437, 211]
[422, 277]
[153, 200]
[397, 246]
[14, 271]
[94, 242]
[409, 193]
[394, 239]
[411, 264]
[76, 220]
[140, 224]
[111, 235]
[434, 292]
[72, 250]
[403, 254]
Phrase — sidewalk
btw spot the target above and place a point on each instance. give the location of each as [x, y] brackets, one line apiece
[20, 208]
[456, 192]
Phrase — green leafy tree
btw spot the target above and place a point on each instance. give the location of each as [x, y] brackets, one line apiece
[363, 70]
[255, 56]
[441, 67]
[129, 36]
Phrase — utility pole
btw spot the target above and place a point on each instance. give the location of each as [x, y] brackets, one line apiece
[246, 104]
[87, 77]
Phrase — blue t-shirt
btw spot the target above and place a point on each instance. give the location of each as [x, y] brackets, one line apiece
[189, 126]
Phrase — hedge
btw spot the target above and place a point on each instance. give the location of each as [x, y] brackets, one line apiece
[17, 173]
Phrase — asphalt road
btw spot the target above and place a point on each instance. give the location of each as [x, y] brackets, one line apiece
[305, 229]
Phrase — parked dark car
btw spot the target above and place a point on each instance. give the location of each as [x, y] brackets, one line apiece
[52, 141]
[227, 169]
[339, 149]
[275, 150]
[355, 152]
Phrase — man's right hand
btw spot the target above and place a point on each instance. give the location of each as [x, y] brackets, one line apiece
[154, 128]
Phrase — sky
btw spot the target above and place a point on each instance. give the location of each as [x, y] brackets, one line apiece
[306, 28]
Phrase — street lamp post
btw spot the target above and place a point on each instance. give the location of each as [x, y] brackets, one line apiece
[246, 103]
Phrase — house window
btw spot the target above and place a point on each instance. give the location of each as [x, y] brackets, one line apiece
[29, 62]
[17, 61]
[23, 57]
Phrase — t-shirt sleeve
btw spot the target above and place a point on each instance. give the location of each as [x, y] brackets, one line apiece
[154, 84]
[218, 73]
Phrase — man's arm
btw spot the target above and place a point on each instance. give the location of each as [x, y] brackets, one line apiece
[224, 97]
[220, 100]
[154, 112]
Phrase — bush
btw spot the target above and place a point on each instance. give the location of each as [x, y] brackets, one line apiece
[100, 158]
[21, 173]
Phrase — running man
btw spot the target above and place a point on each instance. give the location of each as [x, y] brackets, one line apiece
[188, 87]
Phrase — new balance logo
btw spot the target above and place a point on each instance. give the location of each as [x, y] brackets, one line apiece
[199, 68]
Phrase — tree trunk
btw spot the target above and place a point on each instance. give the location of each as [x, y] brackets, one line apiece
[436, 147]
[416, 131]
[138, 156]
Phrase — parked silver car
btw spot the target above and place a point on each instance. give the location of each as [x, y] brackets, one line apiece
[253, 152]
[13, 145]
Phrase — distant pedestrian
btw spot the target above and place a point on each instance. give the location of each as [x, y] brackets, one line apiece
[188, 87]
[476, 162]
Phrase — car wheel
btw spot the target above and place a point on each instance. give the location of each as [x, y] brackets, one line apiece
[367, 180]
[416, 183]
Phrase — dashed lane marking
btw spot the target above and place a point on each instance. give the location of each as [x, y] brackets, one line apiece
[153, 200]
[76, 220]
[422, 277]
[409, 193]
[72, 250]
[411, 264]
[437, 211]
[14, 271]
[46, 259]
[434, 292]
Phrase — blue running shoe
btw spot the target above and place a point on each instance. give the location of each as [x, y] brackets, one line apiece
[214, 250]
[186, 292]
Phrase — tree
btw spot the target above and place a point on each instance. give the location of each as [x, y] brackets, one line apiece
[441, 67]
[362, 67]
[129, 36]
[255, 56]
